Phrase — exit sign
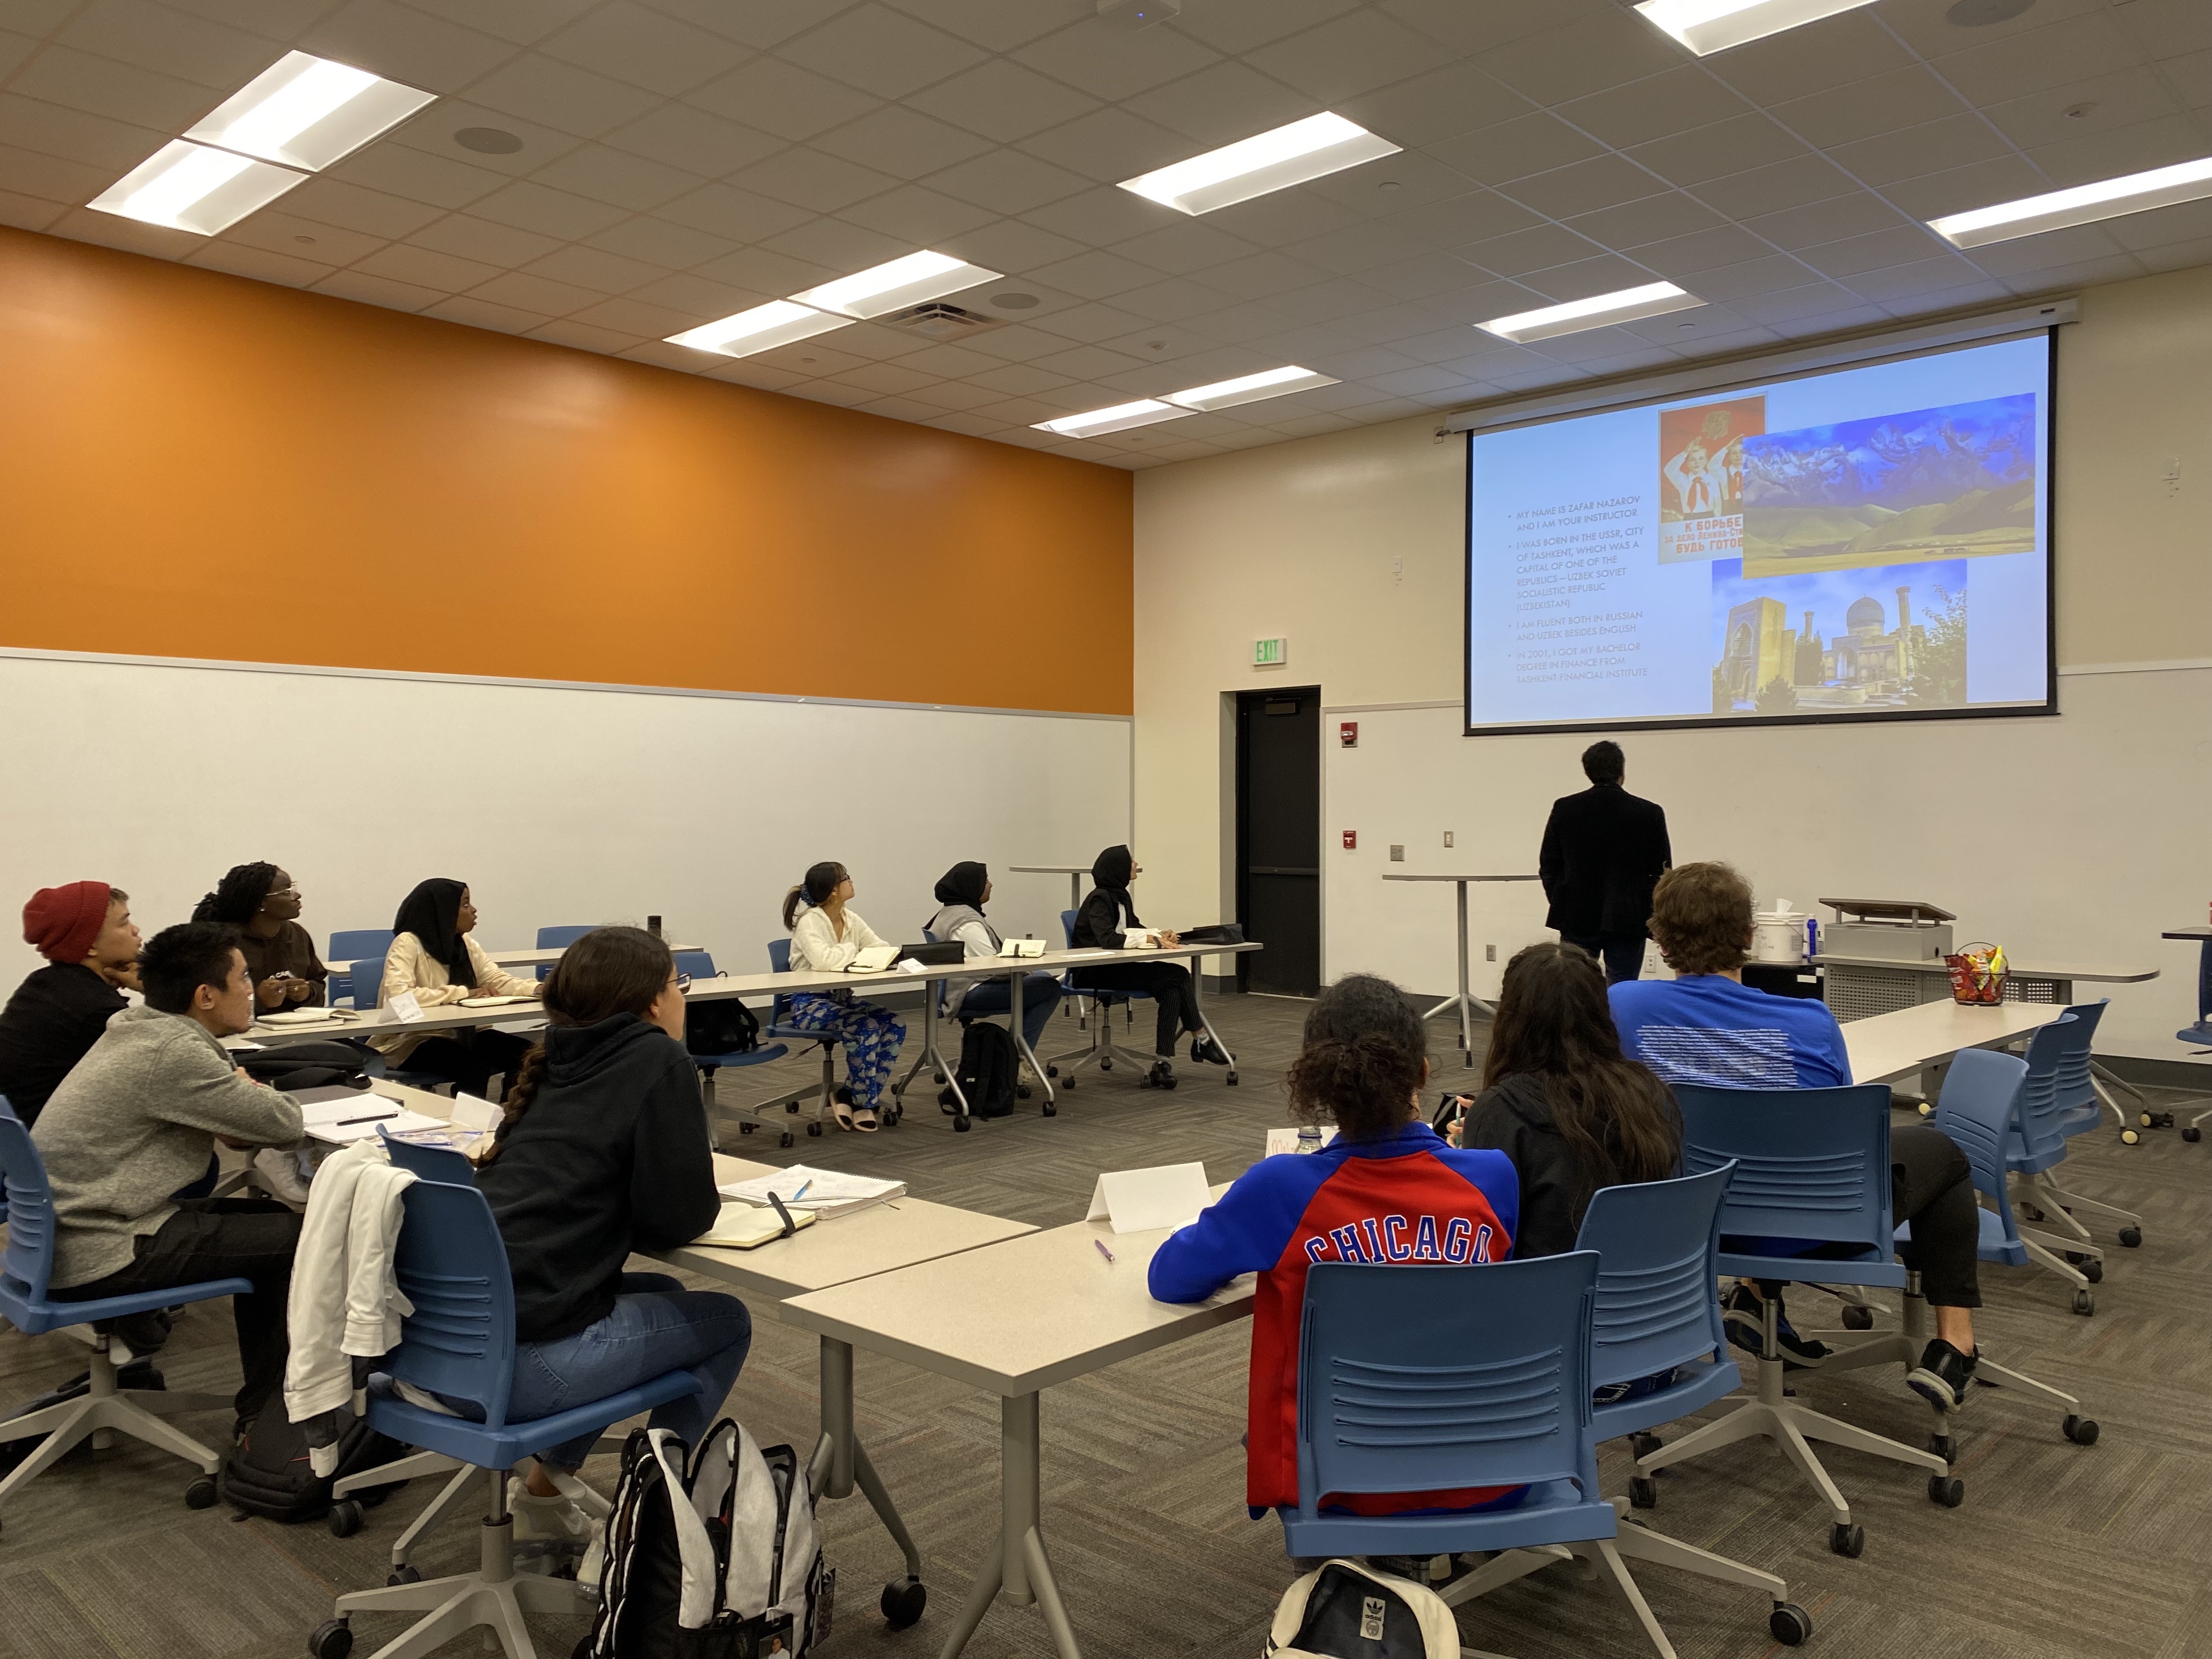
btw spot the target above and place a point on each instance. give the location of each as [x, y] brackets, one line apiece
[1270, 654]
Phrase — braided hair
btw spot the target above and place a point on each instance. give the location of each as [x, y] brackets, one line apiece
[238, 898]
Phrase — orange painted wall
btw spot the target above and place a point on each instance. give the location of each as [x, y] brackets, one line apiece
[194, 465]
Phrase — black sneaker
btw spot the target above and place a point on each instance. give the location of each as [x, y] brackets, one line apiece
[1744, 1317]
[1943, 1374]
[1162, 1076]
[1205, 1049]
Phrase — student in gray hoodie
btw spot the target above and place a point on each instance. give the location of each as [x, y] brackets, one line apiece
[135, 1120]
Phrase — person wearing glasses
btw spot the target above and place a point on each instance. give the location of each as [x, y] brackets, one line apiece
[263, 904]
[602, 1152]
[1108, 920]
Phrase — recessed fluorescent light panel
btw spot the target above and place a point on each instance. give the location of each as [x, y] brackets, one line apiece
[1250, 388]
[2083, 204]
[1119, 418]
[888, 287]
[1710, 26]
[1599, 311]
[1311, 148]
[186, 186]
[306, 111]
[762, 329]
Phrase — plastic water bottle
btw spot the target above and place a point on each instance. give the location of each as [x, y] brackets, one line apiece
[1309, 1136]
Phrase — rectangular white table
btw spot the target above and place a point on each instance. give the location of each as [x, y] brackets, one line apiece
[1884, 1048]
[531, 956]
[1907, 983]
[1015, 1319]
[1465, 1002]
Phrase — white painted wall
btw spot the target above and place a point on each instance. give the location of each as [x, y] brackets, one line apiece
[2093, 825]
[556, 805]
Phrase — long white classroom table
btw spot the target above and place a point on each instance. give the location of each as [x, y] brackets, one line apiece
[1014, 1319]
[1884, 1048]
[529, 957]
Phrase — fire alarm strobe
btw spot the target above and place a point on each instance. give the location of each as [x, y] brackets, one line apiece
[1347, 733]
[1351, 839]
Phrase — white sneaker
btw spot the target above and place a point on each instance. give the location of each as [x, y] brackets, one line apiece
[278, 1174]
[547, 1528]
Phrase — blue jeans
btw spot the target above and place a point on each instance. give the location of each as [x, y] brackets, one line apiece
[1041, 995]
[657, 1326]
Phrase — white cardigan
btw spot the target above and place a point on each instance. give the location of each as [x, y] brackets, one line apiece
[345, 1299]
[408, 967]
[816, 949]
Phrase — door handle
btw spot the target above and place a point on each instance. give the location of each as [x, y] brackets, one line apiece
[1281, 870]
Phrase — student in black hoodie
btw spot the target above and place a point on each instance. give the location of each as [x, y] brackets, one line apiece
[1109, 916]
[603, 1150]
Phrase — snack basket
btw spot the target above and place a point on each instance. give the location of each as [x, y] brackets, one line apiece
[1977, 973]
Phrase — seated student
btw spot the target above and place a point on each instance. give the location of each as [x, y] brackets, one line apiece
[432, 955]
[260, 901]
[1706, 1026]
[135, 1120]
[85, 932]
[1109, 913]
[960, 895]
[826, 934]
[1387, 1189]
[603, 1150]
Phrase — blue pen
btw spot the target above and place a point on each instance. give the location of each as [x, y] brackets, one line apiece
[801, 1193]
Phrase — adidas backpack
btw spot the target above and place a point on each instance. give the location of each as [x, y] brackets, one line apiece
[1347, 1611]
[718, 1559]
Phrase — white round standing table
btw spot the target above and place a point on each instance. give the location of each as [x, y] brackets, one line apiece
[1465, 1002]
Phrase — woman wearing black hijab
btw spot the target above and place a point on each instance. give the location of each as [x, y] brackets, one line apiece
[960, 895]
[432, 955]
[1107, 916]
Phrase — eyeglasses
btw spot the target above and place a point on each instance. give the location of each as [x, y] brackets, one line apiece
[684, 985]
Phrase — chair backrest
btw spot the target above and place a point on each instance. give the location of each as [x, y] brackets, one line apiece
[2043, 1136]
[358, 942]
[1812, 1164]
[2077, 1087]
[368, 979]
[429, 1163]
[699, 964]
[1979, 1105]
[1658, 1246]
[452, 1265]
[29, 1258]
[1067, 928]
[1430, 1379]
[367, 946]
[778, 956]
[552, 937]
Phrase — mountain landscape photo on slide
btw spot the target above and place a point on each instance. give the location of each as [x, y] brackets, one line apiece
[1953, 482]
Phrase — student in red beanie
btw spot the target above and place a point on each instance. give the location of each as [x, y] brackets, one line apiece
[85, 932]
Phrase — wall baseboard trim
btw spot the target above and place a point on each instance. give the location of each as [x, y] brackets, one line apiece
[324, 671]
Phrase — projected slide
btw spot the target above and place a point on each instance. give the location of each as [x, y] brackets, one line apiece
[1866, 543]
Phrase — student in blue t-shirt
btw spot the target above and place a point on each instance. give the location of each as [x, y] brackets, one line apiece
[1706, 1026]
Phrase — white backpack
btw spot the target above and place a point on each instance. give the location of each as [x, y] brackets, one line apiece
[1346, 1611]
[718, 1559]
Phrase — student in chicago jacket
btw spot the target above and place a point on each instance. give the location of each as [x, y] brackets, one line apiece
[1388, 1190]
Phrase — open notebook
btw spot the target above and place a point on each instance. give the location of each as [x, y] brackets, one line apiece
[872, 959]
[746, 1226]
[827, 1192]
[336, 1115]
[492, 1002]
[307, 1017]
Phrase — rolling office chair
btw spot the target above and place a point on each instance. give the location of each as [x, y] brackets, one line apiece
[1102, 1048]
[352, 945]
[560, 937]
[1439, 1379]
[1813, 1164]
[1978, 1108]
[755, 1116]
[2035, 1146]
[107, 1409]
[459, 1343]
[697, 965]
[370, 984]
[2082, 1100]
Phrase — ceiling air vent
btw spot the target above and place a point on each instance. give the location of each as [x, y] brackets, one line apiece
[936, 320]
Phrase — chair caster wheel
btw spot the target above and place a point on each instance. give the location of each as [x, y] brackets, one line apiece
[747, 1128]
[1856, 1318]
[1052, 1071]
[1022, 1092]
[902, 1601]
[1105, 1064]
[344, 1518]
[1049, 1110]
[2035, 1214]
[406, 1574]
[941, 1080]
[2082, 1431]
[2131, 1237]
[1232, 1079]
[2128, 1138]
[814, 1129]
[962, 1124]
[330, 1639]
[787, 1138]
[1948, 1490]
[2192, 1134]
[1944, 1447]
[201, 1494]
[1790, 1624]
[2085, 1301]
[1847, 1540]
[2094, 1270]
[1643, 1492]
[1642, 1446]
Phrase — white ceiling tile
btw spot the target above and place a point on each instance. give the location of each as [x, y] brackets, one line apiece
[839, 246]
[999, 25]
[695, 140]
[1008, 182]
[660, 355]
[1016, 380]
[1172, 301]
[549, 212]
[1423, 275]
[170, 42]
[13, 50]
[277, 19]
[2006, 179]
[812, 178]
[425, 268]
[1095, 274]
[334, 202]
[1331, 303]
[1789, 305]
[1800, 61]
[503, 247]
[647, 49]
[379, 291]
[280, 232]
[1538, 248]
[2147, 144]
[1776, 185]
[1769, 273]
[1654, 219]
[637, 319]
[1735, 145]
[2186, 222]
[748, 372]
[259, 263]
[1221, 104]
[52, 179]
[584, 337]
[782, 98]
[1854, 254]
[922, 218]
[659, 242]
[1910, 151]
[881, 51]
[1103, 216]
[1483, 301]
[1585, 54]
[561, 95]
[1474, 216]
[1288, 216]
[903, 142]
[522, 21]
[2167, 27]
[1661, 106]
[1087, 363]
[434, 128]
[2070, 49]
[1268, 272]
[29, 212]
[1394, 188]
[1356, 52]
[406, 46]
[1355, 248]
[756, 23]
[1429, 108]
[737, 214]
[538, 294]
[884, 378]
[482, 314]
[1823, 222]
[953, 362]
[591, 268]
[1181, 249]
[1514, 149]
[759, 269]
[1111, 62]
[1004, 100]
[1584, 187]
[1933, 275]
[2057, 114]
[895, 408]
[1908, 97]
[690, 298]
[1091, 322]
[1700, 251]
[2178, 256]
[112, 230]
[1109, 145]
[2117, 269]
[40, 17]
[122, 92]
[616, 177]
[417, 174]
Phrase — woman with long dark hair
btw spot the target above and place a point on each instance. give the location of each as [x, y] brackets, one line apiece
[603, 1150]
[826, 934]
[263, 904]
[432, 955]
[1561, 1100]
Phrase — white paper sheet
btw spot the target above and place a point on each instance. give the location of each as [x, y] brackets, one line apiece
[1137, 1201]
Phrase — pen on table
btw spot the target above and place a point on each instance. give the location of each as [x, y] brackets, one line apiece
[1102, 1250]
[373, 1117]
[801, 1193]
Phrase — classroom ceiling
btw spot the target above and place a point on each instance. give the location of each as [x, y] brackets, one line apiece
[681, 160]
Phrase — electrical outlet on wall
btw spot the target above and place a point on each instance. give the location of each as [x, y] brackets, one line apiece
[1490, 953]
[1448, 837]
[1397, 851]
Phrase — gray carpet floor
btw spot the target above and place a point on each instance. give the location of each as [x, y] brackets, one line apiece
[2059, 1550]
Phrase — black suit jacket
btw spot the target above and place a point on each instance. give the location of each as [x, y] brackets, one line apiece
[1604, 850]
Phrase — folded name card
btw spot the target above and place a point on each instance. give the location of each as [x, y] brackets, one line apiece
[1021, 947]
[406, 1007]
[1137, 1201]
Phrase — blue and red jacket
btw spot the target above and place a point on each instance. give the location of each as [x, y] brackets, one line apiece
[1408, 1198]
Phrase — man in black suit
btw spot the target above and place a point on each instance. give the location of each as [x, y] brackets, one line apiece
[1604, 850]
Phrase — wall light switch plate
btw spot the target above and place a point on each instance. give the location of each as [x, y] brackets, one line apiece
[1490, 953]
[1397, 853]
[1448, 837]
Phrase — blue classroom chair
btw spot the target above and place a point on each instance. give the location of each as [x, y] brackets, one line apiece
[1102, 1048]
[459, 1343]
[1813, 1164]
[757, 1116]
[2080, 1103]
[1438, 1379]
[697, 965]
[351, 946]
[105, 1409]
[560, 937]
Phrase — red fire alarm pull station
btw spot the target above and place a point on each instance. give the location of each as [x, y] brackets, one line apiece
[1347, 733]
[1351, 839]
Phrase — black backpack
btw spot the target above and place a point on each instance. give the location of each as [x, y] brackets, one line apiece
[269, 1474]
[988, 1071]
[724, 1026]
[291, 1066]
